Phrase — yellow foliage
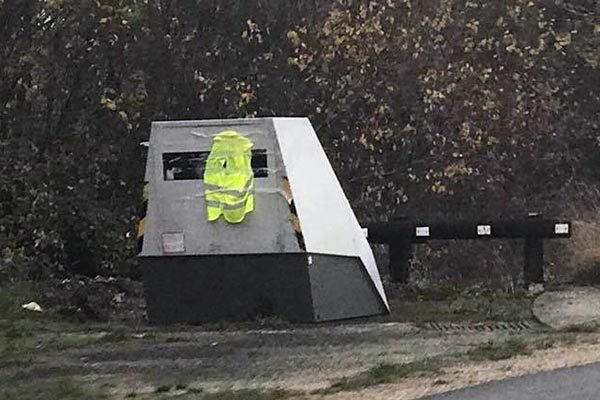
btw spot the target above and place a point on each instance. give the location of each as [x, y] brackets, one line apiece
[294, 38]
[438, 188]
[562, 40]
[512, 46]
[433, 96]
[253, 33]
[302, 61]
[465, 129]
[454, 58]
[108, 103]
[457, 169]
[409, 129]
[112, 105]
[473, 25]
[592, 59]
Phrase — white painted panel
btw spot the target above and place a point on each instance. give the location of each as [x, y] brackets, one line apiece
[328, 223]
[173, 242]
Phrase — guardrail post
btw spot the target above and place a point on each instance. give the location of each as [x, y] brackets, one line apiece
[534, 258]
[400, 255]
[534, 261]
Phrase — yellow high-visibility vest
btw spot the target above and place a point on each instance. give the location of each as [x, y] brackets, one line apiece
[228, 178]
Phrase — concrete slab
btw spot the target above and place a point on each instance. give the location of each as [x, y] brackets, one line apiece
[568, 307]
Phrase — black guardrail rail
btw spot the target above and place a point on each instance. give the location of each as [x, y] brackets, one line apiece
[401, 234]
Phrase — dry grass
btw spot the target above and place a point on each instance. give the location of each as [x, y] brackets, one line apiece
[503, 350]
[383, 373]
[585, 243]
[578, 259]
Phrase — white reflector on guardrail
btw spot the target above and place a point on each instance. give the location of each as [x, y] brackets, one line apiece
[484, 230]
[561, 229]
[422, 231]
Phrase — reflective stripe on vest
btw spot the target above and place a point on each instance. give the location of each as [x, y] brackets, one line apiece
[228, 178]
[230, 192]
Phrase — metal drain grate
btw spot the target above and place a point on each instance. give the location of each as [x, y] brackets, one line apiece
[481, 327]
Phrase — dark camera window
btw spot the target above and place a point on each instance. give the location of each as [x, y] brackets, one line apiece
[190, 165]
[259, 163]
[184, 166]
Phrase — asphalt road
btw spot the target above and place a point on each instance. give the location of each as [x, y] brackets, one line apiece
[580, 383]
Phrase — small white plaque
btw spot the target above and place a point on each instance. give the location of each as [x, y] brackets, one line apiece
[484, 230]
[561, 229]
[173, 242]
[422, 231]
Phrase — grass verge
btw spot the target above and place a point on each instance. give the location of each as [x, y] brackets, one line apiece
[495, 351]
[581, 328]
[63, 389]
[463, 307]
[251, 394]
[381, 374]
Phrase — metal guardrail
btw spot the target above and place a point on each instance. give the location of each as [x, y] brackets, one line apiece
[401, 234]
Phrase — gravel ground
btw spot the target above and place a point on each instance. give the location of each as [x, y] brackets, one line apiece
[132, 359]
